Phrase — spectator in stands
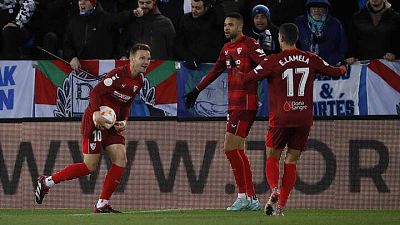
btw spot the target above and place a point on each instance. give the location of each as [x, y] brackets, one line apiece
[283, 11]
[153, 29]
[264, 31]
[92, 33]
[173, 9]
[374, 33]
[344, 10]
[49, 23]
[200, 35]
[14, 20]
[321, 33]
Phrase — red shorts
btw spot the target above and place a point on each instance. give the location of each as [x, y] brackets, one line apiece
[93, 140]
[240, 122]
[293, 137]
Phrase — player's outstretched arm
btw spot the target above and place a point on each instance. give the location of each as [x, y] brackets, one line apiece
[190, 98]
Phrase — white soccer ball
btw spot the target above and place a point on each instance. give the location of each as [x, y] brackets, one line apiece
[109, 114]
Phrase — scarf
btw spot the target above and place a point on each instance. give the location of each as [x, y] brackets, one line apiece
[317, 32]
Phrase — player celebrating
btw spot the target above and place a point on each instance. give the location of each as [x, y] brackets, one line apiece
[117, 90]
[290, 76]
[242, 53]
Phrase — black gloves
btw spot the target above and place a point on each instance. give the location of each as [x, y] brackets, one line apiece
[190, 98]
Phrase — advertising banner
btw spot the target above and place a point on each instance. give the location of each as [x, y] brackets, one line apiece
[16, 89]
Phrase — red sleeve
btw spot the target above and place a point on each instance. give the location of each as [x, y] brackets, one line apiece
[324, 68]
[256, 52]
[262, 70]
[218, 68]
[104, 87]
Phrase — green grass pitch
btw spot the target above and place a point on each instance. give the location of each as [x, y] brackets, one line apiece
[194, 217]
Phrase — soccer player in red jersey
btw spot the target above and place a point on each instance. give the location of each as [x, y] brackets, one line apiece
[291, 75]
[242, 53]
[117, 90]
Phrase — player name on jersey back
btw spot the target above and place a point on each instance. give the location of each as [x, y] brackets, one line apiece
[292, 58]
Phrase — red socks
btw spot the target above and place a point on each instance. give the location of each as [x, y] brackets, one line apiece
[111, 181]
[238, 169]
[272, 172]
[247, 174]
[71, 172]
[288, 182]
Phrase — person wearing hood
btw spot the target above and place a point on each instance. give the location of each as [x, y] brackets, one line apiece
[91, 28]
[153, 29]
[321, 33]
[264, 31]
[374, 33]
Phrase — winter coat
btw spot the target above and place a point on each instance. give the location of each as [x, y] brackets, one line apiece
[153, 29]
[94, 36]
[333, 46]
[200, 39]
[367, 41]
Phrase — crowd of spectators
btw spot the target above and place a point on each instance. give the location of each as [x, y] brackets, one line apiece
[192, 30]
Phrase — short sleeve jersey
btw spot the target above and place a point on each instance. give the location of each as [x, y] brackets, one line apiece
[291, 74]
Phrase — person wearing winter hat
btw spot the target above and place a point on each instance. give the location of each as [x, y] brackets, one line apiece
[264, 31]
[321, 33]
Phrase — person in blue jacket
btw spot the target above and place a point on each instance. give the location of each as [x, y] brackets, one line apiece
[321, 33]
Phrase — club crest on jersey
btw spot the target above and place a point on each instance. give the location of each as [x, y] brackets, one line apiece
[135, 88]
[239, 50]
[92, 146]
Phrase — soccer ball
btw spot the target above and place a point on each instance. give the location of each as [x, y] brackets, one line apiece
[109, 114]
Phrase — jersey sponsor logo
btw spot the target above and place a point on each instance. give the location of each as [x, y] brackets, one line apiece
[226, 52]
[294, 105]
[123, 85]
[239, 50]
[92, 146]
[108, 82]
[121, 96]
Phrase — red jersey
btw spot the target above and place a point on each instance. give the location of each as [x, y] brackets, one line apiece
[247, 53]
[117, 90]
[291, 75]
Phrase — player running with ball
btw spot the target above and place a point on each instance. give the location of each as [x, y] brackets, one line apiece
[117, 91]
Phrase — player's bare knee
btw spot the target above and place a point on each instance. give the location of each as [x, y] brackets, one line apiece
[92, 166]
[91, 161]
[276, 153]
[121, 160]
[292, 156]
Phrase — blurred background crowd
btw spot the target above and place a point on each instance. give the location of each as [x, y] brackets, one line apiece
[192, 30]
